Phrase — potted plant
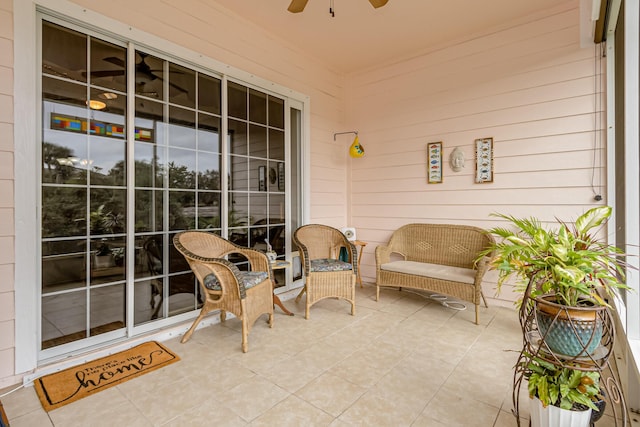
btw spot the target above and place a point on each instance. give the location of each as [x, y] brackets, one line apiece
[118, 255]
[562, 395]
[560, 272]
[102, 256]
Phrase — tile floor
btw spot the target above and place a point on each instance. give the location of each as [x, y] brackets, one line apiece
[402, 361]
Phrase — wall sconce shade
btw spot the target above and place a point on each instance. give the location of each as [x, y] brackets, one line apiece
[356, 150]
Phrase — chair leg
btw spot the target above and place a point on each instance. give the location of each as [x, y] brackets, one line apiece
[223, 316]
[477, 314]
[377, 292]
[245, 327]
[304, 289]
[484, 299]
[188, 334]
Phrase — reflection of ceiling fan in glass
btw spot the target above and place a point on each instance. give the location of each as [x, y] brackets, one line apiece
[145, 74]
[297, 6]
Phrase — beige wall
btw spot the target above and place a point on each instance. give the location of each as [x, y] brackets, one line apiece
[529, 86]
[7, 311]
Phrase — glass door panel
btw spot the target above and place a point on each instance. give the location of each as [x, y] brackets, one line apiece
[177, 166]
[84, 209]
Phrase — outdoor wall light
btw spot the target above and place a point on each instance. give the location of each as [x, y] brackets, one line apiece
[356, 150]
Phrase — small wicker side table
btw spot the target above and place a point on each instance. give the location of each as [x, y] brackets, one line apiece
[278, 265]
[360, 248]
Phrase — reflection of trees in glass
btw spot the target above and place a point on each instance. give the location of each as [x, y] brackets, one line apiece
[64, 208]
[64, 211]
[209, 180]
[181, 176]
[147, 172]
[54, 171]
[118, 173]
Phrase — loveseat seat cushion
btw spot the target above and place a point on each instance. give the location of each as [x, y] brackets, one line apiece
[437, 271]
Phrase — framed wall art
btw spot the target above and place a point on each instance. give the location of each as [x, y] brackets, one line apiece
[434, 163]
[484, 160]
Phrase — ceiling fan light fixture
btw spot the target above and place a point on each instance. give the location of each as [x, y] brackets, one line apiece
[378, 3]
[94, 104]
[297, 6]
[108, 95]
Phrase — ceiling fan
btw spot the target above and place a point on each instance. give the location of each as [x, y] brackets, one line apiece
[144, 73]
[298, 6]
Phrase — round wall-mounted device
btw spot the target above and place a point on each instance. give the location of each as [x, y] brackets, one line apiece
[350, 233]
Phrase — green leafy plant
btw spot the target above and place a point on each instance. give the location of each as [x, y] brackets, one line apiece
[561, 386]
[568, 262]
[102, 222]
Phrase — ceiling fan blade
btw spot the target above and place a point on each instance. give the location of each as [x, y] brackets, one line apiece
[115, 61]
[178, 88]
[378, 3]
[106, 73]
[297, 6]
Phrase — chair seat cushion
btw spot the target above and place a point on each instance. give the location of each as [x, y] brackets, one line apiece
[250, 279]
[437, 271]
[328, 264]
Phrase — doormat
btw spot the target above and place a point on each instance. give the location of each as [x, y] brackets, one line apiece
[61, 388]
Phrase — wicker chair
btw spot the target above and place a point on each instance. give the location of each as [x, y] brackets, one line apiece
[326, 275]
[248, 295]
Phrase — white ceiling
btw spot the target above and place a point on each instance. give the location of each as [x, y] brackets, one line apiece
[360, 37]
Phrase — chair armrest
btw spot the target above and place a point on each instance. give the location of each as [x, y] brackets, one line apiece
[482, 266]
[353, 255]
[257, 259]
[304, 254]
[383, 254]
[218, 267]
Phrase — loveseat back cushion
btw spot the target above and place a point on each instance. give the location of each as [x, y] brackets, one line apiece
[250, 279]
[328, 264]
[437, 271]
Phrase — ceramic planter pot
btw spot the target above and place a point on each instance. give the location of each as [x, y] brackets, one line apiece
[569, 331]
[553, 416]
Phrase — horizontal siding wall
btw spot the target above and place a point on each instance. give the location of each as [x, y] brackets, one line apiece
[529, 86]
[215, 32]
[7, 234]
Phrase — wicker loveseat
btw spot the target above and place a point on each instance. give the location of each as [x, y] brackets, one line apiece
[438, 258]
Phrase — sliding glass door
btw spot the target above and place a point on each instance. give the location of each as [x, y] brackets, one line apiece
[131, 154]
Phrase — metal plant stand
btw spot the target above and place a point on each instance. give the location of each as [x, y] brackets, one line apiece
[592, 356]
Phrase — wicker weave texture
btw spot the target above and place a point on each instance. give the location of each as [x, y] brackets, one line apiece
[205, 254]
[316, 241]
[443, 244]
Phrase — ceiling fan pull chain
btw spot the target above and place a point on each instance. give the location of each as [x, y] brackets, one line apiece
[332, 11]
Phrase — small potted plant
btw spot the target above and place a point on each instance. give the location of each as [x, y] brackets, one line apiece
[118, 255]
[562, 393]
[558, 270]
[102, 256]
